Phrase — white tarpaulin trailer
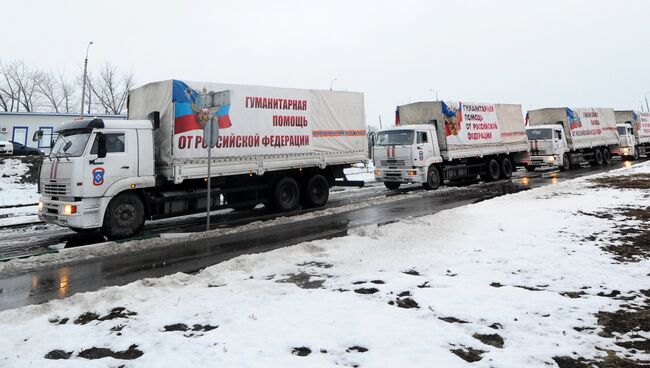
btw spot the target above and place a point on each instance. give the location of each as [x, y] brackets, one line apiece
[640, 122]
[259, 128]
[583, 127]
[467, 129]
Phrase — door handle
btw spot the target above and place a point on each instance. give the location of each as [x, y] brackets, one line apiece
[124, 167]
[93, 162]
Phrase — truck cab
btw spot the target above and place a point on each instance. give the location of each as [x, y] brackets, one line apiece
[91, 163]
[547, 146]
[627, 141]
[406, 155]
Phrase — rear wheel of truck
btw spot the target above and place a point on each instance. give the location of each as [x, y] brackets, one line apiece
[124, 216]
[286, 195]
[506, 168]
[492, 171]
[566, 162]
[607, 156]
[316, 191]
[433, 178]
[392, 185]
[598, 157]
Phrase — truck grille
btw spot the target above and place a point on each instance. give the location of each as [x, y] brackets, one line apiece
[55, 189]
[392, 163]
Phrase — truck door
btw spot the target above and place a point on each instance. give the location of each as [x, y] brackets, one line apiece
[423, 147]
[558, 142]
[121, 162]
[631, 140]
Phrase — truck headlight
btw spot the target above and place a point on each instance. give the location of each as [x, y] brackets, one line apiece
[625, 150]
[40, 206]
[552, 158]
[412, 172]
[69, 209]
[377, 172]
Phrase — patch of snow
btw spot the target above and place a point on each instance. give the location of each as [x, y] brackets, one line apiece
[503, 261]
[12, 191]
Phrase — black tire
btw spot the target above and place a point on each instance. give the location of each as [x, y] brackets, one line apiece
[566, 162]
[124, 216]
[607, 156]
[506, 168]
[316, 191]
[492, 171]
[433, 178]
[286, 195]
[598, 157]
[636, 154]
[392, 185]
[530, 168]
[233, 198]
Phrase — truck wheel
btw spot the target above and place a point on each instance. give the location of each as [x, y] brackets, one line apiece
[607, 156]
[316, 191]
[433, 178]
[492, 171]
[566, 162]
[598, 157]
[286, 195]
[636, 155]
[124, 216]
[506, 168]
[391, 185]
[530, 168]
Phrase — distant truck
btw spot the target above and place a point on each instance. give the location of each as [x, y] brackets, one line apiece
[437, 141]
[634, 133]
[566, 137]
[277, 146]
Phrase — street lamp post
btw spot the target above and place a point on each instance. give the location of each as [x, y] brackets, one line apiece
[332, 83]
[647, 108]
[434, 92]
[83, 85]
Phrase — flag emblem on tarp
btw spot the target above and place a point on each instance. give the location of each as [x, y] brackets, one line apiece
[189, 115]
[98, 176]
[573, 119]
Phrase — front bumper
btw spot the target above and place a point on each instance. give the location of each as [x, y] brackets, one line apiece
[405, 175]
[88, 212]
[538, 161]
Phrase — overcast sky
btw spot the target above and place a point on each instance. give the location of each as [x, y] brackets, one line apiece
[536, 53]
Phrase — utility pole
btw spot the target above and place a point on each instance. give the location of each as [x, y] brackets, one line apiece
[647, 108]
[434, 92]
[332, 83]
[83, 85]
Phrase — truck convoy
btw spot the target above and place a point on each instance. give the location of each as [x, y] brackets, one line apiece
[277, 146]
[634, 133]
[437, 141]
[566, 137]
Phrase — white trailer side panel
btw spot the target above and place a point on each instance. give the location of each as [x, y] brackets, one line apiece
[260, 128]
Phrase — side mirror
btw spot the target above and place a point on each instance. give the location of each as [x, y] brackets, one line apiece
[101, 145]
[38, 135]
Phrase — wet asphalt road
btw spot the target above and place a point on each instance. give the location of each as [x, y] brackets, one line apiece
[62, 281]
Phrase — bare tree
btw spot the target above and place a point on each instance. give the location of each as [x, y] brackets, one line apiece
[56, 90]
[9, 95]
[111, 88]
[67, 91]
[26, 82]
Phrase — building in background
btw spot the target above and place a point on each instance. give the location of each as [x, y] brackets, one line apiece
[20, 126]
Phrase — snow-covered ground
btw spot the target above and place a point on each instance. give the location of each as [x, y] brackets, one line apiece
[17, 197]
[513, 280]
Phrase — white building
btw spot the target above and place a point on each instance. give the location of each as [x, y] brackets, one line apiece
[20, 126]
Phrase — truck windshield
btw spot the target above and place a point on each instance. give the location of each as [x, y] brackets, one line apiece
[539, 134]
[70, 143]
[621, 130]
[395, 138]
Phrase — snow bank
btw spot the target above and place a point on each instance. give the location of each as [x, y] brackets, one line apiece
[409, 292]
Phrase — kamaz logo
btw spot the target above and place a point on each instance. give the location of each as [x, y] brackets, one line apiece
[98, 176]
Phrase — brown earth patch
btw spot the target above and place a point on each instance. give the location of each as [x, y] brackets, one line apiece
[97, 353]
[490, 339]
[469, 354]
[633, 181]
[304, 280]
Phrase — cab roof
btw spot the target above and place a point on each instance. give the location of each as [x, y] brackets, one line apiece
[412, 127]
[97, 123]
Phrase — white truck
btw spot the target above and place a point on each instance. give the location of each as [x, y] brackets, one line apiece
[437, 141]
[566, 137]
[277, 146]
[634, 133]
